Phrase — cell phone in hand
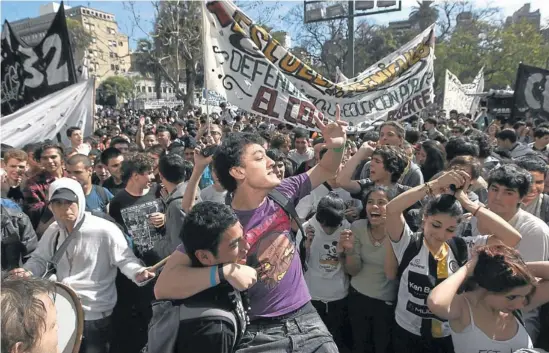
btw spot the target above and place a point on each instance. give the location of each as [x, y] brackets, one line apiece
[209, 150]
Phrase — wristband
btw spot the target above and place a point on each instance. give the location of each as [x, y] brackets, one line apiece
[220, 273]
[338, 150]
[476, 211]
[213, 282]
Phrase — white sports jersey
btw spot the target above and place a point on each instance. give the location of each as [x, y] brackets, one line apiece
[422, 274]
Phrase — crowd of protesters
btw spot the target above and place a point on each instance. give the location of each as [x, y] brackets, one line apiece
[427, 235]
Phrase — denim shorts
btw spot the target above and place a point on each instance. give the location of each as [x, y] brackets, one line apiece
[305, 333]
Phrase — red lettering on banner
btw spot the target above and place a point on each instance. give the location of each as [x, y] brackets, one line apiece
[219, 11]
[288, 114]
[262, 99]
[306, 114]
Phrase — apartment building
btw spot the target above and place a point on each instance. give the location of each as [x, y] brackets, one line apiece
[108, 53]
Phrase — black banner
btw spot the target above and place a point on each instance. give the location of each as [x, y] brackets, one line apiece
[531, 92]
[30, 73]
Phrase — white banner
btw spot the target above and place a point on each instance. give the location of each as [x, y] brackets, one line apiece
[253, 71]
[51, 116]
[461, 97]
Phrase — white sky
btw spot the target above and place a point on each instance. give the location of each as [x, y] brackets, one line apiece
[508, 6]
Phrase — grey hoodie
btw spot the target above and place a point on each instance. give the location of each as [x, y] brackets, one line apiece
[91, 259]
[174, 221]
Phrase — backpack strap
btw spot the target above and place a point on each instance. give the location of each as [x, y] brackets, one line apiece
[459, 249]
[287, 205]
[544, 211]
[411, 251]
[327, 186]
[172, 200]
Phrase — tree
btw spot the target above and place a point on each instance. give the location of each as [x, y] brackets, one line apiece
[79, 38]
[424, 14]
[115, 89]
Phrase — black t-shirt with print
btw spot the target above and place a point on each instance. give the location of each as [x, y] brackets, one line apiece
[132, 213]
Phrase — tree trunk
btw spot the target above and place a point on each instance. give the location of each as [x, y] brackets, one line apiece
[190, 73]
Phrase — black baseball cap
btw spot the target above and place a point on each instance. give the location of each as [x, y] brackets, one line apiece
[64, 194]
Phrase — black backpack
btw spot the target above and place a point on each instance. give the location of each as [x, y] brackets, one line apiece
[457, 245]
[167, 315]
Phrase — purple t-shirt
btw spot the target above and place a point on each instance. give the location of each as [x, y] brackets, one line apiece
[280, 288]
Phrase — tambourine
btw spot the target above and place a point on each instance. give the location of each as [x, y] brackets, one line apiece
[70, 319]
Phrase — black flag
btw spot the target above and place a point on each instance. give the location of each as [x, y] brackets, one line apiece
[30, 73]
[531, 92]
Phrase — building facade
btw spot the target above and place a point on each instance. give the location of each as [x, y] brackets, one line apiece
[108, 53]
[524, 14]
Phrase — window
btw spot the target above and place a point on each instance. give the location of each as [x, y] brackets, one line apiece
[123, 70]
[143, 89]
[112, 67]
[117, 67]
[121, 44]
[90, 69]
[93, 39]
[111, 54]
[150, 89]
[163, 89]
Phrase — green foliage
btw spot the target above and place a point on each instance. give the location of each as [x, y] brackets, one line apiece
[117, 88]
[80, 39]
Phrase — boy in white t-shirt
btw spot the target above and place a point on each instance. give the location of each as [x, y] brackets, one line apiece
[325, 276]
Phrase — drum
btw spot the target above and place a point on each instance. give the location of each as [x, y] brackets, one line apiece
[70, 319]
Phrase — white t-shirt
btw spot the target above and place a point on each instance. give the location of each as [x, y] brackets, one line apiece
[300, 158]
[309, 203]
[534, 245]
[325, 275]
[415, 284]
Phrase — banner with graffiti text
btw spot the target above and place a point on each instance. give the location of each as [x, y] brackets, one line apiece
[30, 73]
[253, 71]
[460, 97]
[531, 92]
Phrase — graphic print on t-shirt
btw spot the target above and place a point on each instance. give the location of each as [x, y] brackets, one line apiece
[271, 250]
[136, 219]
[329, 260]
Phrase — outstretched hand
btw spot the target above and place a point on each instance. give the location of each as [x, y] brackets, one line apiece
[334, 133]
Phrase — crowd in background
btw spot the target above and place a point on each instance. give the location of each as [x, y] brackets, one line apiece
[430, 235]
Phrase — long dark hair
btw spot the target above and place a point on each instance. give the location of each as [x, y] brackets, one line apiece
[436, 157]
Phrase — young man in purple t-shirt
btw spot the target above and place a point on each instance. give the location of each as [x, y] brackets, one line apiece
[280, 299]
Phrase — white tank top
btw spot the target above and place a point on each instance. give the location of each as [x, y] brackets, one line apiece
[473, 339]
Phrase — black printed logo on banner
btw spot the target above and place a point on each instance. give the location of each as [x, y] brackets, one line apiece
[419, 285]
[531, 91]
[30, 73]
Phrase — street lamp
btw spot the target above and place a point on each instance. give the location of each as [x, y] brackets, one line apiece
[324, 10]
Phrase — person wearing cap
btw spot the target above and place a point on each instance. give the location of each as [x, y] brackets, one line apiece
[96, 248]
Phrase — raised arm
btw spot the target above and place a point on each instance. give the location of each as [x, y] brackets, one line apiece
[344, 178]
[443, 301]
[539, 269]
[200, 164]
[140, 133]
[334, 136]
[394, 224]
[500, 230]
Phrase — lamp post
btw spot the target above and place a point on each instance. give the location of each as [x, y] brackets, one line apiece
[321, 11]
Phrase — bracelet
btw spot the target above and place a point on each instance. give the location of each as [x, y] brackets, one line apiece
[338, 150]
[213, 271]
[429, 190]
[476, 211]
[220, 273]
